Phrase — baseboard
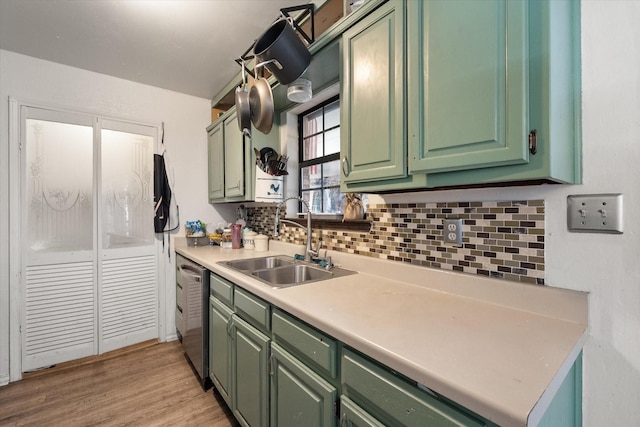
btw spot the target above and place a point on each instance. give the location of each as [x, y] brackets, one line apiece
[4, 380]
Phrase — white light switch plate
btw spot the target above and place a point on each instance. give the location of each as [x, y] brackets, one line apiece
[595, 213]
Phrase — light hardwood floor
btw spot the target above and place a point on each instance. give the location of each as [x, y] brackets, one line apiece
[146, 385]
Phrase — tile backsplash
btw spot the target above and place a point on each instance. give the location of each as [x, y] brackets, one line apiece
[504, 240]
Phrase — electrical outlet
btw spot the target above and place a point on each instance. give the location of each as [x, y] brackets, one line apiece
[452, 231]
[595, 213]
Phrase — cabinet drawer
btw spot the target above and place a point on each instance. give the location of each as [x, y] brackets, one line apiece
[221, 289]
[180, 326]
[180, 296]
[354, 416]
[252, 309]
[314, 347]
[393, 400]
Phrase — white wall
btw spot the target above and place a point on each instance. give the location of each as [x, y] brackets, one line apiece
[46, 83]
[607, 266]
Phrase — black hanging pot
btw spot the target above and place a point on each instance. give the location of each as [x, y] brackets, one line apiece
[282, 52]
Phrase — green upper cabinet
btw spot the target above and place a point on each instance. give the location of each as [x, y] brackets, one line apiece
[372, 98]
[461, 93]
[232, 160]
[215, 142]
[234, 173]
[552, 104]
[467, 84]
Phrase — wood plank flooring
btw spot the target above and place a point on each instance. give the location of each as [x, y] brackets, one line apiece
[149, 385]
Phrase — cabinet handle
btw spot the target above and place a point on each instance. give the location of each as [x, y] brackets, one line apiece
[533, 141]
[345, 166]
[343, 420]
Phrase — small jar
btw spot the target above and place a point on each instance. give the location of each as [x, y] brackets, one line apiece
[226, 243]
[236, 236]
[248, 239]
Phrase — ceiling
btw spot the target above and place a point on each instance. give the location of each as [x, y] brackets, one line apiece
[187, 46]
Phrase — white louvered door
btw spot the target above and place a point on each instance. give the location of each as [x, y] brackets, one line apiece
[128, 295]
[88, 258]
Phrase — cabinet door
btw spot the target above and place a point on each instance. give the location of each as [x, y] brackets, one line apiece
[373, 131]
[251, 375]
[233, 158]
[220, 347]
[299, 396]
[215, 142]
[351, 415]
[468, 84]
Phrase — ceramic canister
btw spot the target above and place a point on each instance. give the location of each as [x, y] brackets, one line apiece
[261, 243]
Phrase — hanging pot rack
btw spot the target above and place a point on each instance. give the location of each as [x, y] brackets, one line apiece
[308, 10]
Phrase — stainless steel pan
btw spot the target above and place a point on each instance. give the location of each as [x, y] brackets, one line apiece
[243, 106]
[261, 101]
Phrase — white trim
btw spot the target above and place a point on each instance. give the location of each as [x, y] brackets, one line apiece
[15, 242]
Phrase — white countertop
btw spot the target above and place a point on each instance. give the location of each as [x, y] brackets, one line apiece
[498, 348]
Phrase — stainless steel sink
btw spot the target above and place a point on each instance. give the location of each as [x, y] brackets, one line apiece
[283, 271]
[253, 264]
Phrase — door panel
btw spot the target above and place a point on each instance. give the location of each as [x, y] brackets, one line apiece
[127, 271]
[60, 303]
[300, 397]
[468, 74]
[373, 138]
[251, 377]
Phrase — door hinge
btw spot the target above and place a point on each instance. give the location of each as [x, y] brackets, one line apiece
[533, 141]
[336, 407]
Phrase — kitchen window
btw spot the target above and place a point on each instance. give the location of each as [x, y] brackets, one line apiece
[319, 163]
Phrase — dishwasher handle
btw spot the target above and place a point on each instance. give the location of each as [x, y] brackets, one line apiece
[197, 272]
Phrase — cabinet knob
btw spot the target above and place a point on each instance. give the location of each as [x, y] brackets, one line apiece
[345, 166]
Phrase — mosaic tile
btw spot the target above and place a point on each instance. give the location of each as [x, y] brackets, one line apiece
[503, 240]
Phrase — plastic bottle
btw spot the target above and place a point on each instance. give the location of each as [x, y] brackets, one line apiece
[236, 236]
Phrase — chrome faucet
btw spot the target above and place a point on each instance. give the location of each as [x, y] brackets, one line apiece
[309, 252]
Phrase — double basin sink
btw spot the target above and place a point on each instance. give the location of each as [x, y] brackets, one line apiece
[283, 271]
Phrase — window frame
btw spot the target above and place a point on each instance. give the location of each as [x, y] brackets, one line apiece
[317, 160]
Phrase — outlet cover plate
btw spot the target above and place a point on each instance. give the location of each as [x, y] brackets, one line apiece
[452, 231]
[595, 213]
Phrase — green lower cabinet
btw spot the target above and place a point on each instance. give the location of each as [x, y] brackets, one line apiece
[393, 401]
[250, 374]
[351, 415]
[299, 396]
[220, 347]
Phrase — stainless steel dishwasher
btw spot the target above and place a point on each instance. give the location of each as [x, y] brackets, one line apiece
[192, 315]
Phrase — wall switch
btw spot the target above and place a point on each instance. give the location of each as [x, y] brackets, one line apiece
[595, 213]
[452, 231]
